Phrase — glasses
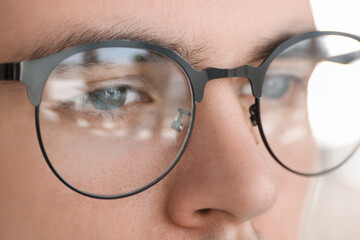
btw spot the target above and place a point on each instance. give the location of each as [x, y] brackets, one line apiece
[113, 118]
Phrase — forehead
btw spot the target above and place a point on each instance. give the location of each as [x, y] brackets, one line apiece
[225, 27]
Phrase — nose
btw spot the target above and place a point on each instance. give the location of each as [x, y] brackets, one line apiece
[222, 175]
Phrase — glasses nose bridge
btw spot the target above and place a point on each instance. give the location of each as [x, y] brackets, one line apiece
[253, 74]
[216, 73]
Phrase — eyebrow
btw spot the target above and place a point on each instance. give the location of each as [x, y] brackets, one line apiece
[193, 54]
[268, 45]
[168, 40]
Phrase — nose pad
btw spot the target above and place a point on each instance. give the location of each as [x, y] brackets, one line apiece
[177, 125]
[250, 119]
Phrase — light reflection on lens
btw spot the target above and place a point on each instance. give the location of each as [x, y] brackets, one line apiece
[314, 126]
[116, 149]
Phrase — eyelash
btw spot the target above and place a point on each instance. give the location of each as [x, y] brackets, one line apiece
[295, 81]
[121, 113]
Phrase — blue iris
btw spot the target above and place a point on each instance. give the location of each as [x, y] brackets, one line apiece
[275, 86]
[107, 99]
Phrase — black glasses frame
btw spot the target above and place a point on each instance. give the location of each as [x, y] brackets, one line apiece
[34, 74]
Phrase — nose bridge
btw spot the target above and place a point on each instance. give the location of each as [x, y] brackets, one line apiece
[221, 167]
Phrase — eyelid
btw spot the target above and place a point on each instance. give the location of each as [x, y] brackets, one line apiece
[142, 92]
[136, 81]
[246, 90]
[299, 68]
[81, 106]
[285, 72]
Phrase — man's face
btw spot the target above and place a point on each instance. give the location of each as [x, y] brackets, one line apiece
[226, 186]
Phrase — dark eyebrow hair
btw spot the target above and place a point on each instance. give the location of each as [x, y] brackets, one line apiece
[268, 45]
[264, 47]
[149, 35]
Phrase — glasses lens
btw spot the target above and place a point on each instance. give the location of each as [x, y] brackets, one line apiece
[310, 103]
[114, 120]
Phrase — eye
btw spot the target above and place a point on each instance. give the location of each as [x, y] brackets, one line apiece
[107, 99]
[107, 102]
[276, 86]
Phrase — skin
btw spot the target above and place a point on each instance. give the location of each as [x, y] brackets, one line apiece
[219, 190]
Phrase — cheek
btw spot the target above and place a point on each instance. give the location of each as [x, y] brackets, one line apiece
[288, 212]
[19, 151]
[25, 180]
[112, 157]
[34, 200]
[288, 133]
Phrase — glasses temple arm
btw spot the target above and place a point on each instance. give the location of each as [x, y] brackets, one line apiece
[345, 58]
[10, 72]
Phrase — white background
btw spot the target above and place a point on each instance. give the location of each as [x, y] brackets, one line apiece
[335, 208]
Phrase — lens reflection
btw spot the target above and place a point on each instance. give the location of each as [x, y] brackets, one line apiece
[106, 119]
[309, 108]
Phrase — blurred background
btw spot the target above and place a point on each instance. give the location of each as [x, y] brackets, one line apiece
[335, 206]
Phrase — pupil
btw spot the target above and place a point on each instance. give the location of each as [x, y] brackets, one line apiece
[275, 86]
[108, 99]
